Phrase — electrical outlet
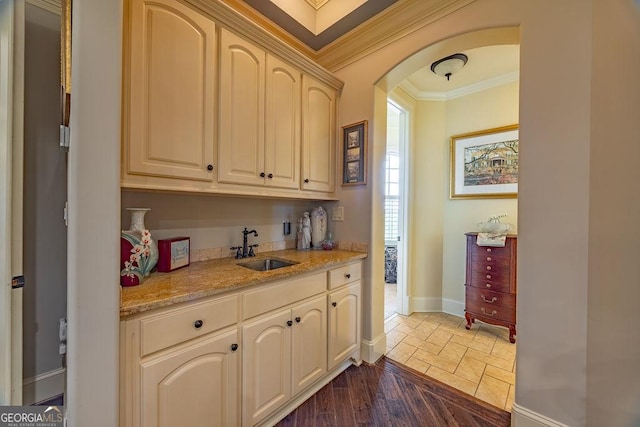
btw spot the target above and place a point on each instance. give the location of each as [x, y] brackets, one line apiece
[337, 213]
[62, 329]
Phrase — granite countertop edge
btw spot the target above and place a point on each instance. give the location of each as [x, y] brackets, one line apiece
[212, 277]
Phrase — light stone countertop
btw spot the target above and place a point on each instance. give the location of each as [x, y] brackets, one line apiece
[207, 278]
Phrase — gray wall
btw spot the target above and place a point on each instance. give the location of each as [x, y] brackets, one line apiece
[45, 183]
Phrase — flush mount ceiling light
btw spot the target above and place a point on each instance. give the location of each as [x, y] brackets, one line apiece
[450, 65]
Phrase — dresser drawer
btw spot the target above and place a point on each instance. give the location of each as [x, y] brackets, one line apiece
[488, 259]
[490, 311]
[494, 282]
[182, 324]
[343, 275]
[485, 296]
[490, 250]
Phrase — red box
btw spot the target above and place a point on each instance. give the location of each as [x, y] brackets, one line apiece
[173, 253]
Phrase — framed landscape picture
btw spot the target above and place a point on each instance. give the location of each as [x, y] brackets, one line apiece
[484, 164]
[354, 154]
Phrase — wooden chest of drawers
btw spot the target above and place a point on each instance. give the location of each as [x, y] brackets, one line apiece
[490, 288]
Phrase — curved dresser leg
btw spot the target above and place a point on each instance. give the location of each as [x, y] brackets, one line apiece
[512, 332]
[469, 320]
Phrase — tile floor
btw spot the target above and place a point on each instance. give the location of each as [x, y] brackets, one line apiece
[479, 362]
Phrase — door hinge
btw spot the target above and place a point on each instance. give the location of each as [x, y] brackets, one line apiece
[65, 214]
[64, 136]
[17, 282]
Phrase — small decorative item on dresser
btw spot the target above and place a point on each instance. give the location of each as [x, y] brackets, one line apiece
[174, 253]
[138, 252]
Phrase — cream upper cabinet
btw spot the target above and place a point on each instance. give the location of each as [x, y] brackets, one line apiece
[282, 139]
[344, 323]
[242, 92]
[193, 385]
[169, 92]
[259, 116]
[319, 135]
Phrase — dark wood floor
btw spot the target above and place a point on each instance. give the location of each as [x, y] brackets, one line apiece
[389, 394]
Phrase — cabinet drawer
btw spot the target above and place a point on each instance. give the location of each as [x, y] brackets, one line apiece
[491, 311]
[179, 325]
[492, 260]
[343, 275]
[494, 282]
[485, 296]
[269, 298]
[490, 250]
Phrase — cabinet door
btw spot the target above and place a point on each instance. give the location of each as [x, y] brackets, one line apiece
[266, 366]
[309, 343]
[242, 85]
[282, 139]
[169, 123]
[194, 385]
[344, 323]
[319, 135]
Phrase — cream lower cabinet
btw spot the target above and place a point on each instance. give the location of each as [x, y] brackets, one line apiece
[193, 385]
[284, 352]
[344, 324]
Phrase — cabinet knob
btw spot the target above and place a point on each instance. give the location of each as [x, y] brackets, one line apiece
[234, 347]
[289, 323]
[488, 249]
[334, 304]
[261, 174]
[306, 180]
[488, 285]
[488, 276]
[488, 267]
[348, 276]
[488, 258]
[198, 324]
[298, 320]
[209, 168]
[270, 175]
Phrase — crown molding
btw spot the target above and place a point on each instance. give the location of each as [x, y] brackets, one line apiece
[395, 22]
[227, 16]
[53, 6]
[419, 95]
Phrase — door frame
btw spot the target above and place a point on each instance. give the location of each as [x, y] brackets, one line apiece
[12, 20]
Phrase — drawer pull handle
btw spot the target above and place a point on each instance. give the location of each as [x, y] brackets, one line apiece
[348, 276]
[493, 312]
[488, 276]
[490, 301]
[289, 323]
[234, 347]
[298, 320]
[488, 258]
[488, 267]
[198, 324]
[334, 304]
[488, 285]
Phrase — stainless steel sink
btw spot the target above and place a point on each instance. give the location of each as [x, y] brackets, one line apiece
[266, 264]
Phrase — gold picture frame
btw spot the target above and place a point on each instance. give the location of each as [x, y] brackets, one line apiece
[484, 164]
[354, 154]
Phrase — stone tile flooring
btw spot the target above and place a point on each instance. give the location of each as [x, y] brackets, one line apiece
[479, 362]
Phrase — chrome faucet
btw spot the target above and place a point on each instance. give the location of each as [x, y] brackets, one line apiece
[247, 250]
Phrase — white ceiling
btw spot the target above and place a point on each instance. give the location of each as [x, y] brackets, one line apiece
[487, 67]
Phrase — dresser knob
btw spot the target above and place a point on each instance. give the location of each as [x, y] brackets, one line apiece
[488, 249]
[490, 301]
[488, 276]
[488, 285]
[488, 258]
[488, 267]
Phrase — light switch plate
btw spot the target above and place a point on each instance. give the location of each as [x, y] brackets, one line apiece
[337, 213]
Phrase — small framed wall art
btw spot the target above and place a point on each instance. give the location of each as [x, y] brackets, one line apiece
[354, 154]
[174, 253]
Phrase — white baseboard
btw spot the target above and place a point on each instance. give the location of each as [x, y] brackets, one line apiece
[373, 350]
[454, 307]
[422, 305]
[43, 386]
[523, 417]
